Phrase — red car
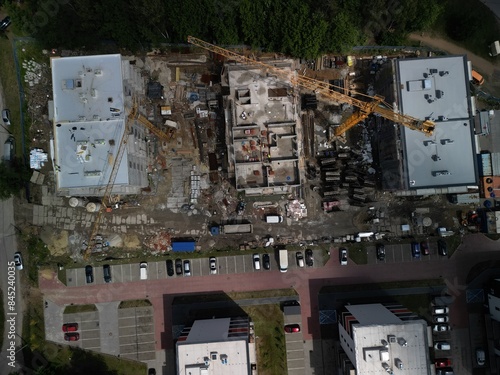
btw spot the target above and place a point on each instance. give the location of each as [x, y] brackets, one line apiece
[442, 362]
[72, 336]
[70, 327]
[291, 328]
[425, 247]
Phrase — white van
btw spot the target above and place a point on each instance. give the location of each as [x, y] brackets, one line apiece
[274, 219]
[8, 150]
[144, 270]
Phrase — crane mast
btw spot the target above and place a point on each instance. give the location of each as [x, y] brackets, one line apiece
[376, 105]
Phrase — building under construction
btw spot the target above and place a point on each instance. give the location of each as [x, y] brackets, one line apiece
[262, 137]
[90, 95]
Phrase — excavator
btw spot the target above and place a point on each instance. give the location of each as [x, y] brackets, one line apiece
[375, 104]
[133, 115]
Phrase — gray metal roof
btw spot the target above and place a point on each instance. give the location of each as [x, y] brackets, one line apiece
[209, 330]
[437, 89]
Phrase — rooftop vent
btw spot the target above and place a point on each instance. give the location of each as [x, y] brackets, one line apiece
[98, 72]
[384, 343]
[213, 355]
[391, 339]
[88, 70]
[446, 141]
[398, 363]
[223, 359]
[93, 93]
[402, 342]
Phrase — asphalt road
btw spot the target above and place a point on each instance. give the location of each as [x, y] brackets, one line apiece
[8, 246]
[307, 282]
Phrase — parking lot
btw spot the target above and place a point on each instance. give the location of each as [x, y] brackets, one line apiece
[88, 327]
[136, 330]
[397, 253]
[294, 342]
[199, 267]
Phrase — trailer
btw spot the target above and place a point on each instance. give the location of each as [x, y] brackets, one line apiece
[236, 229]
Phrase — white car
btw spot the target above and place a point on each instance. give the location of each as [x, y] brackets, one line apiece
[441, 319]
[213, 265]
[256, 261]
[343, 256]
[439, 310]
[18, 261]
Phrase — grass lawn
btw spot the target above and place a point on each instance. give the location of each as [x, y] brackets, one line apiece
[71, 309]
[358, 253]
[212, 297]
[270, 338]
[134, 303]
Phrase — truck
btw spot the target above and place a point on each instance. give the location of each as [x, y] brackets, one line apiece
[283, 255]
[231, 229]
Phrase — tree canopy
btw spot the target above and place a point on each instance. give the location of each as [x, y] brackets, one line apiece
[300, 28]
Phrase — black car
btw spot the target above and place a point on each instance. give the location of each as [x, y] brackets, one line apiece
[170, 267]
[89, 274]
[151, 371]
[266, 262]
[380, 252]
[5, 23]
[178, 266]
[309, 258]
[106, 270]
[442, 249]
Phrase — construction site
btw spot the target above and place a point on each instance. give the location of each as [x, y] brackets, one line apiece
[148, 152]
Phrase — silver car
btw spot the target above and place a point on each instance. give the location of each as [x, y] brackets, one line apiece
[18, 261]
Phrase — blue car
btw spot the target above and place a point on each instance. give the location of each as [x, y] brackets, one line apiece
[415, 249]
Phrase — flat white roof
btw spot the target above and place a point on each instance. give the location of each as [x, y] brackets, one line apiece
[437, 89]
[89, 120]
[87, 88]
[208, 350]
[412, 348]
[84, 156]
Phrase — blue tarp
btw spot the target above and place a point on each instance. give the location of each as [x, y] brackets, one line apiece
[183, 246]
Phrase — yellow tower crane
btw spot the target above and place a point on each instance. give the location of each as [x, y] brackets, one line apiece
[376, 105]
[133, 115]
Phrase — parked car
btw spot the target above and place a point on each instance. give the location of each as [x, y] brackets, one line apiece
[441, 327]
[424, 246]
[72, 336]
[343, 256]
[441, 319]
[143, 270]
[299, 258]
[292, 328]
[170, 267]
[445, 371]
[309, 258]
[6, 116]
[439, 310]
[89, 274]
[178, 266]
[415, 250]
[442, 345]
[266, 261]
[380, 252]
[213, 265]
[442, 362]
[70, 327]
[256, 261]
[480, 356]
[106, 270]
[442, 248]
[5, 23]
[187, 268]
[18, 261]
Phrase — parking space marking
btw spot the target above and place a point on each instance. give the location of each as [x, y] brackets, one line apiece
[243, 264]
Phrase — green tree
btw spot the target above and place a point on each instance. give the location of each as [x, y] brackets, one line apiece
[13, 177]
